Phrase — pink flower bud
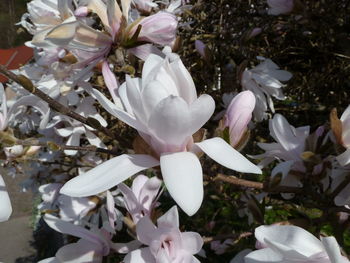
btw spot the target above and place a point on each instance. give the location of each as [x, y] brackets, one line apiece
[239, 114]
[159, 28]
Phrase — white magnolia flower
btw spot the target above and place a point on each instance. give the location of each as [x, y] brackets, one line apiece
[288, 149]
[75, 128]
[164, 108]
[265, 81]
[291, 244]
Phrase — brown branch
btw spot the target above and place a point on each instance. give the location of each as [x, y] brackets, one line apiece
[340, 187]
[53, 104]
[54, 146]
[240, 182]
[257, 185]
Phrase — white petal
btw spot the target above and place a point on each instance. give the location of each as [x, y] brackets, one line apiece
[142, 255]
[293, 237]
[108, 175]
[224, 154]
[333, 250]
[170, 121]
[183, 177]
[192, 242]
[344, 158]
[170, 219]
[266, 255]
[5, 203]
[201, 110]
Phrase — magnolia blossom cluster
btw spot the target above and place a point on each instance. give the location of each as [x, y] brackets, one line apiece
[110, 67]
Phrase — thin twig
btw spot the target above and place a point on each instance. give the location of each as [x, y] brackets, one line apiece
[257, 185]
[53, 104]
[54, 146]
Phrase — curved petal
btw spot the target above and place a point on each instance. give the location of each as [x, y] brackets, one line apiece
[82, 251]
[142, 255]
[110, 79]
[5, 203]
[63, 34]
[183, 177]
[266, 255]
[170, 121]
[293, 237]
[201, 110]
[170, 219]
[146, 231]
[333, 250]
[108, 174]
[192, 242]
[68, 228]
[149, 192]
[224, 154]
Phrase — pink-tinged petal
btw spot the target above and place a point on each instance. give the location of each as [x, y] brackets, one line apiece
[159, 28]
[224, 154]
[192, 242]
[114, 15]
[124, 248]
[81, 11]
[146, 231]
[110, 204]
[200, 112]
[344, 158]
[108, 174]
[170, 219]
[142, 255]
[333, 250]
[138, 183]
[266, 255]
[239, 114]
[82, 251]
[171, 121]
[110, 80]
[183, 177]
[63, 34]
[149, 192]
[295, 238]
[70, 229]
[5, 203]
[144, 51]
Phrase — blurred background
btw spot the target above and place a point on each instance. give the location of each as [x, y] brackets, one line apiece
[10, 14]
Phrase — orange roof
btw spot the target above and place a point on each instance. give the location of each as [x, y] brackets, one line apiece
[13, 58]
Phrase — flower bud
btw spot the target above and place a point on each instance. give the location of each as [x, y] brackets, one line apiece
[238, 115]
[159, 28]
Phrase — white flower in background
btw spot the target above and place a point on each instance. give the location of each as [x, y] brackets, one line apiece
[164, 108]
[343, 138]
[75, 129]
[288, 244]
[165, 242]
[141, 198]
[278, 7]
[264, 81]
[288, 149]
[5, 203]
